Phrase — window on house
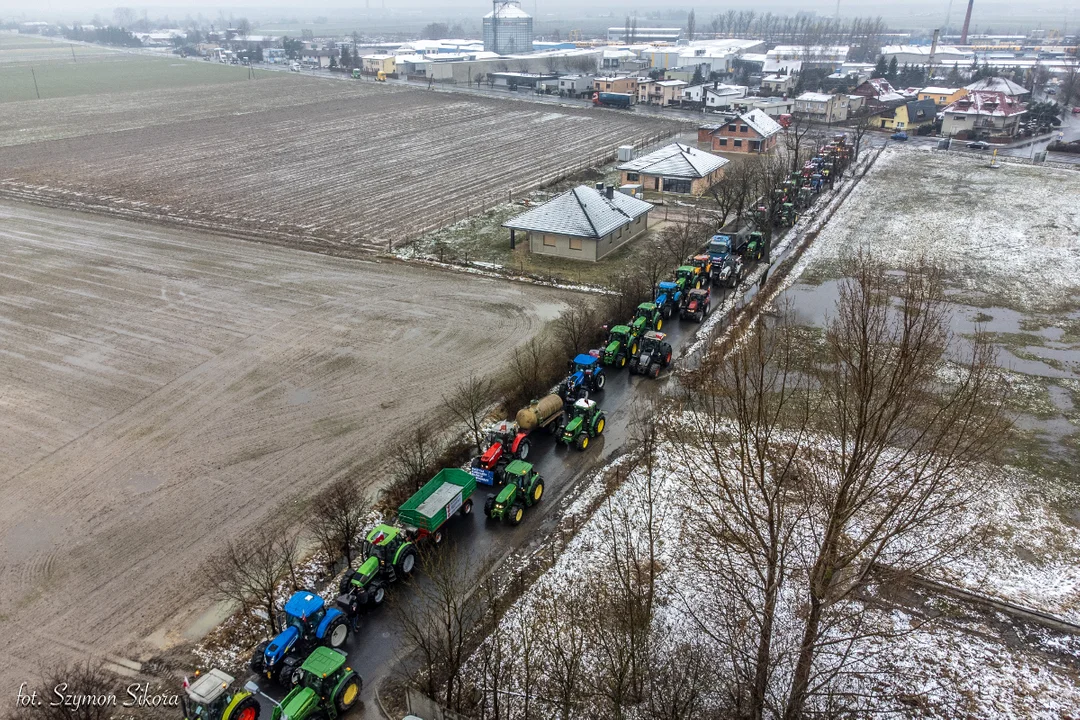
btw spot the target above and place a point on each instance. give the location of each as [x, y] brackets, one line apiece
[738, 143]
[722, 142]
[575, 243]
[549, 241]
[755, 145]
[677, 185]
[632, 177]
[731, 128]
[744, 128]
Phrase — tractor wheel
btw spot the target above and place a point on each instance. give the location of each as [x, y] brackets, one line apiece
[665, 311]
[659, 323]
[600, 424]
[258, 658]
[408, 562]
[378, 595]
[667, 358]
[296, 677]
[523, 450]
[633, 349]
[516, 514]
[622, 361]
[466, 507]
[598, 381]
[488, 505]
[437, 536]
[538, 491]
[246, 709]
[654, 370]
[582, 441]
[349, 693]
[337, 633]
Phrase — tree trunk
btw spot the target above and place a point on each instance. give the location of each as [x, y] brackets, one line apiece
[763, 661]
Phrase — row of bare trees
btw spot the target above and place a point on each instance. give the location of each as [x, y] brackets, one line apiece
[805, 30]
[809, 472]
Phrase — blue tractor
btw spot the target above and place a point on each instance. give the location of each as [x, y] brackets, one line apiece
[586, 375]
[669, 298]
[308, 624]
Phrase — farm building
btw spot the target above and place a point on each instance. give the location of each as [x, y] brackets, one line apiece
[751, 132]
[508, 29]
[676, 168]
[583, 224]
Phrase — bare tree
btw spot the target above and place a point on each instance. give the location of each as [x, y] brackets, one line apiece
[468, 402]
[437, 622]
[249, 572]
[890, 487]
[124, 16]
[577, 328]
[653, 264]
[530, 368]
[565, 629]
[243, 27]
[680, 240]
[747, 415]
[336, 517]
[691, 25]
[412, 458]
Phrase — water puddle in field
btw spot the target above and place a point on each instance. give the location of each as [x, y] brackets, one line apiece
[547, 311]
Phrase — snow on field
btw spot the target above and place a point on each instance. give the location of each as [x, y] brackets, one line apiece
[913, 668]
[1011, 232]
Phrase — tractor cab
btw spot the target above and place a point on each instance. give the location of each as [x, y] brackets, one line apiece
[585, 421]
[698, 304]
[586, 373]
[688, 276]
[308, 624]
[502, 441]
[790, 216]
[304, 611]
[703, 263]
[755, 245]
[326, 688]
[651, 340]
[669, 297]
[524, 488]
[620, 344]
[211, 697]
[647, 317]
[655, 353]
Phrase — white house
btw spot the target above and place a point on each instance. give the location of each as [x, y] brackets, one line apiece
[724, 96]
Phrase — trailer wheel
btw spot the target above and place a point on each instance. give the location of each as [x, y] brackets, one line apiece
[437, 536]
[523, 449]
[466, 507]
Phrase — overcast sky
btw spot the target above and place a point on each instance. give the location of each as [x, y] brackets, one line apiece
[914, 13]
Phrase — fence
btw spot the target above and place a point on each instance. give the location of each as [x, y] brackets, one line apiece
[482, 204]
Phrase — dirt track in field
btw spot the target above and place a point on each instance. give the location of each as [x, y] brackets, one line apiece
[332, 166]
[163, 391]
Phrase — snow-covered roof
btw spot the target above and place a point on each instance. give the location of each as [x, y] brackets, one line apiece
[982, 102]
[893, 97]
[508, 11]
[814, 97]
[762, 124]
[776, 78]
[676, 160]
[938, 90]
[998, 84]
[671, 83]
[581, 212]
[924, 51]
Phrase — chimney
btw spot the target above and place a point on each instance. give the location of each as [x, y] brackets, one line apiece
[610, 192]
[967, 22]
[600, 187]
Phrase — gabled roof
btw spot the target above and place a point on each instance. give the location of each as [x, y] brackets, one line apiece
[676, 160]
[581, 212]
[760, 121]
[939, 90]
[986, 103]
[921, 110]
[998, 84]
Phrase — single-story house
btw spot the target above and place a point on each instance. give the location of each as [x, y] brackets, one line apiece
[942, 96]
[675, 168]
[910, 116]
[585, 223]
[773, 107]
[983, 113]
[575, 85]
[750, 132]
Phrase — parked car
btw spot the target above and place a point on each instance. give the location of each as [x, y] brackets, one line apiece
[1076, 110]
[899, 135]
[978, 145]
[1051, 91]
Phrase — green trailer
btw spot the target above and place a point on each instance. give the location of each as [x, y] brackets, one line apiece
[446, 494]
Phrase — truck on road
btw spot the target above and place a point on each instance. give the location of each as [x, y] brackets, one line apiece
[615, 100]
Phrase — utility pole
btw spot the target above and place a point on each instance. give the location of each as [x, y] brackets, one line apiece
[35, 83]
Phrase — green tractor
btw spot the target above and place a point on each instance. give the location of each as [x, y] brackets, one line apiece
[755, 246]
[211, 697]
[647, 317]
[328, 688]
[361, 588]
[687, 277]
[621, 343]
[524, 488]
[584, 421]
[394, 551]
[788, 215]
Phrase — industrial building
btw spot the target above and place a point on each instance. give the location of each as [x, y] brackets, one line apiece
[508, 29]
[644, 35]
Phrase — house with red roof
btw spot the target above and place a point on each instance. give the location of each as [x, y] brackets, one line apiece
[983, 114]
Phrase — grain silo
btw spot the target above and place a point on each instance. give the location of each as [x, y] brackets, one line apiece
[508, 29]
